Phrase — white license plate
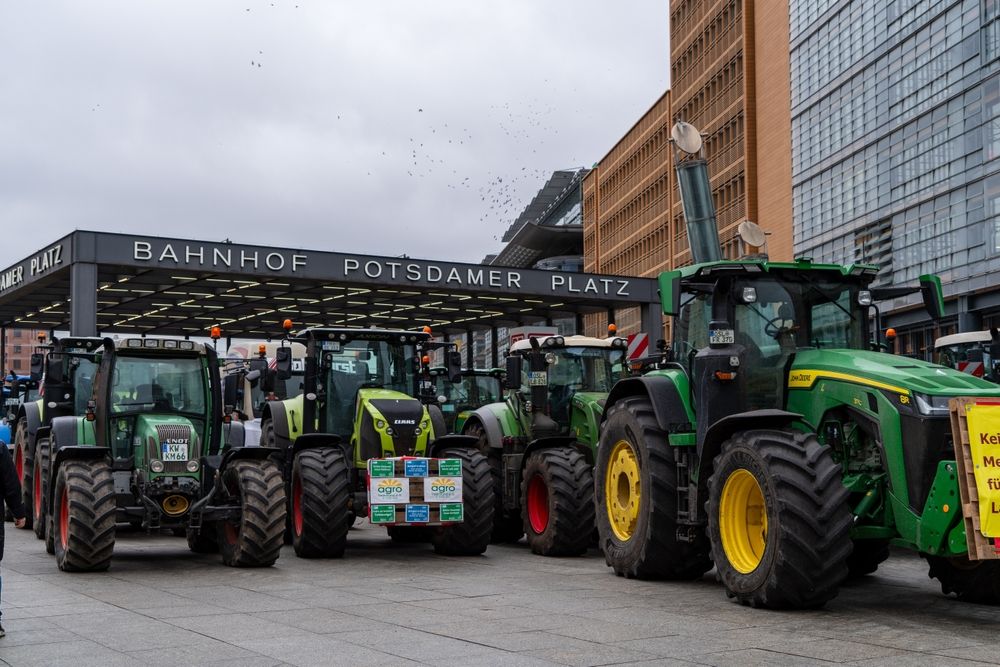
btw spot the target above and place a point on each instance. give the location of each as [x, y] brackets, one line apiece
[174, 451]
[721, 337]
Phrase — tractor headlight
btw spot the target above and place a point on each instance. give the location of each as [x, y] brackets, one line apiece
[551, 359]
[864, 298]
[619, 343]
[389, 431]
[379, 424]
[417, 431]
[933, 406]
[192, 466]
[156, 465]
[749, 295]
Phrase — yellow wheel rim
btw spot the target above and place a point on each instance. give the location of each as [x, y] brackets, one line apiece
[622, 490]
[743, 521]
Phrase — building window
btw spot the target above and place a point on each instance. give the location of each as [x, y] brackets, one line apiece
[991, 30]
[17, 349]
[16, 363]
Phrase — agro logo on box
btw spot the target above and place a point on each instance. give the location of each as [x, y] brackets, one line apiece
[390, 490]
[443, 489]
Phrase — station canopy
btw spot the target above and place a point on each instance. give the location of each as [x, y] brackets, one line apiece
[94, 283]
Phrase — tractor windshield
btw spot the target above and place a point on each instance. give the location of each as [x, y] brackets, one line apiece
[585, 368]
[972, 357]
[82, 371]
[472, 392]
[355, 364]
[156, 384]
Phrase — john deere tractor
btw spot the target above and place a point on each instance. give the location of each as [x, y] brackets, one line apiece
[540, 440]
[64, 370]
[153, 449]
[779, 446]
[359, 429]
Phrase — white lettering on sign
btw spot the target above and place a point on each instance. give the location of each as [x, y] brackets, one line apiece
[11, 277]
[143, 251]
[46, 260]
[576, 285]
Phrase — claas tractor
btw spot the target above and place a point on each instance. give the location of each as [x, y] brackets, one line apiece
[154, 449]
[358, 441]
[64, 373]
[540, 440]
[780, 444]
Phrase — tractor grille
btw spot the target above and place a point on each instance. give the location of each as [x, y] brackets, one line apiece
[166, 432]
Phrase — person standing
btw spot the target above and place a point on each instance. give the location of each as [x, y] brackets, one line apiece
[10, 488]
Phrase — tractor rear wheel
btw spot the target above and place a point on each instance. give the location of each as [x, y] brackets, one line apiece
[83, 518]
[320, 493]
[205, 541]
[558, 492]
[636, 499]
[24, 464]
[866, 557]
[975, 581]
[506, 527]
[39, 487]
[254, 540]
[267, 439]
[779, 520]
[472, 536]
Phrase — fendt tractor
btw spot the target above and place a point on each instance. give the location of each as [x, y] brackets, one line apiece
[540, 440]
[153, 449]
[64, 371]
[972, 352]
[778, 444]
[359, 432]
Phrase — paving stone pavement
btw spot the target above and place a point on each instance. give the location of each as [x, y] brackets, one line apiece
[385, 605]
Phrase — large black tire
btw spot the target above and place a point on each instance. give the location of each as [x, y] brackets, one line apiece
[24, 464]
[507, 527]
[205, 541]
[472, 536]
[866, 557]
[557, 489]
[83, 516]
[267, 439]
[254, 540]
[970, 581]
[320, 494]
[39, 486]
[641, 483]
[779, 519]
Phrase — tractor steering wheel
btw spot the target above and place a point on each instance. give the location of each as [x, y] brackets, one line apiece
[773, 328]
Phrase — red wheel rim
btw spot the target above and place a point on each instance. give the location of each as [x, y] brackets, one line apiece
[538, 504]
[36, 493]
[64, 519]
[297, 506]
[19, 464]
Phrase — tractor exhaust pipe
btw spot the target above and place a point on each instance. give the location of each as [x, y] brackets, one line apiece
[696, 193]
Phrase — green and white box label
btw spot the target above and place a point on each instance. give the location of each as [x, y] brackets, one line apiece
[450, 467]
[381, 468]
[451, 512]
[389, 490]
[443, 489]
[383, 513]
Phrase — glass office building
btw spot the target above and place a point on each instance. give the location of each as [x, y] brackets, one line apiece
[895, 145]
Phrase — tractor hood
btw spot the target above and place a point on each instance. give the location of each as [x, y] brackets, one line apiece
[402, 413]
[886, 371]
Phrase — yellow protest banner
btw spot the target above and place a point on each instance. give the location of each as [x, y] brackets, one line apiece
[984, 441]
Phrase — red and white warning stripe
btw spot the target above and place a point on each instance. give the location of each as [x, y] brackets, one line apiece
[638, 344]
[974, 368]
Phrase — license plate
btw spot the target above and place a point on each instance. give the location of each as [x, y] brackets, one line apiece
[721, 337]
[538, 378]
[174, 451]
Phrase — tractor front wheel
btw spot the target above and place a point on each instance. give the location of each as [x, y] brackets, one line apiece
[83, 517]
[472, 536]
[39, 487]
[558, 492]
[506, 527]
[636, 499]
[24, 464]
[253, 540]
[975, 581]
[779, 520]
[320, 492]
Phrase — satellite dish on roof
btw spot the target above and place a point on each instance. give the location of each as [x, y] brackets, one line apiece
[686, 136]
[751, 233]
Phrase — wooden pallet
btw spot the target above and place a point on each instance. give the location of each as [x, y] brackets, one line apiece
[980, 547]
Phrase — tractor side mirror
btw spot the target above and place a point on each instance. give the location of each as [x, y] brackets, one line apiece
[933, 295]
[53, 368]
[454, 361]
[513, 378]
[283, 363]
[37, 361]
[230, 390]
[252, 377]
[259, 366]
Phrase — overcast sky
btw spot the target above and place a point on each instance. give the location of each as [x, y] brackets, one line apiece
[381, 127]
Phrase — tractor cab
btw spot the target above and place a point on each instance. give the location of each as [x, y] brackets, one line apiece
[478, 387]
[976, 353]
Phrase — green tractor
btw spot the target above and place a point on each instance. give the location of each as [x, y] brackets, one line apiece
[153, 449]
[65, 370]
[360, 414]
[778, 445]
[458, 400]
[540, 440]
